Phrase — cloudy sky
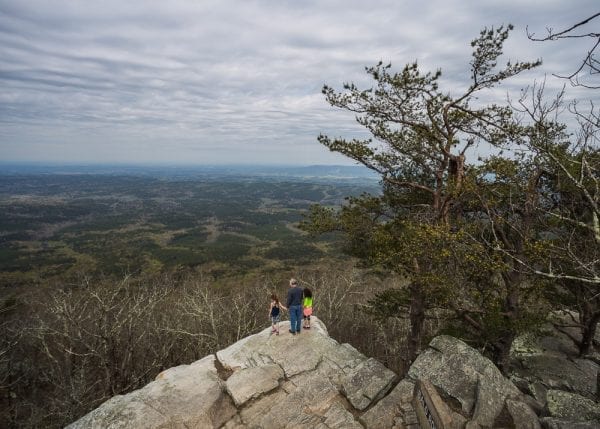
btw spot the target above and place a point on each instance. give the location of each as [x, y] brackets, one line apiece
[232, 81]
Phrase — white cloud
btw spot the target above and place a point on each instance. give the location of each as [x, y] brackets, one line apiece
[228, 81]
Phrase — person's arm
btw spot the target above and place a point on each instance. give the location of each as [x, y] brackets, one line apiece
[289, 297]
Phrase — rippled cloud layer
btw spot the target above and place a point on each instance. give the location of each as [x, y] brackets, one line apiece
[229, 81]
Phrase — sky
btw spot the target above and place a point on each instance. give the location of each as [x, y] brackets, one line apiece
[235, 82]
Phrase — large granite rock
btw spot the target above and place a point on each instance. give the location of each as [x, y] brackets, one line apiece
[383, 414]
[570, 406]
[462, 374]
[522, 415]
[554, 423]
[548, 360]
[263, 381]
[546, 365]
[367, 383]
[184, 396]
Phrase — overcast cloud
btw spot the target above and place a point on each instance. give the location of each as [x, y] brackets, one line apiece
[231, 81]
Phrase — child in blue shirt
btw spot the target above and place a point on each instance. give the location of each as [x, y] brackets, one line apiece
[275, 313]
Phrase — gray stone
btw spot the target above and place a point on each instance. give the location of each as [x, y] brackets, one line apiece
[534, 393]
[234, 423]
[398, 423]
[488, 405]
[456, 369]
[554, 423]
[337, 417]
[187, 395]
[549, 360]
[250, 383]
[534, 404]
[305, 406]
[294, 353]
[367, 383]
[594, 356]
[523, 416]
[521, 383]
[571, 406]
[560, 373]
[253, 414]
[539, 391]
[310, 395]
[383, 414]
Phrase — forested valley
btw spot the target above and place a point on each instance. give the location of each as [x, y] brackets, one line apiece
[109, 277]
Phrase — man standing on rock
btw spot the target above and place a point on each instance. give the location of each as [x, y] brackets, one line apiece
[294, 305]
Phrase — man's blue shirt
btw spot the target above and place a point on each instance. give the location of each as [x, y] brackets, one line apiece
[294, 296]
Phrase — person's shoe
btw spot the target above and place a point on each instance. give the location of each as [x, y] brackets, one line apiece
[291, 332]
[276, 332]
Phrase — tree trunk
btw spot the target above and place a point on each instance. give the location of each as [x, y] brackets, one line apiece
[512, 281]
[502, 350]
[417, 320]
[589, 319]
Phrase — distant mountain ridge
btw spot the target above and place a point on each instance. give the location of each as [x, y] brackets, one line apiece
[175, 171]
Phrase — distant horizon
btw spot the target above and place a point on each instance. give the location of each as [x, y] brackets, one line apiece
[167, 164]
[320, 171]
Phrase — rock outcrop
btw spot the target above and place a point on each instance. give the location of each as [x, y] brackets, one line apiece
[546, 366]
[265, 381]
[548, 360]
[472, 385]
[312, 381]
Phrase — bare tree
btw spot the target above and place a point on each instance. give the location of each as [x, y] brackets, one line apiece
[570, 166]
[590, 62]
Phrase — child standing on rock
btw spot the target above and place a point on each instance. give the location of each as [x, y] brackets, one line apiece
[307, 304]
[275, 313]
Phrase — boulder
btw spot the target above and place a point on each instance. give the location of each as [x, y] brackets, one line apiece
[522, 415]
[461, 373]
[547, 371]
[549, 360]
[383, 414]
[554, 423]
[187, 395]
[367, 383]
[571, 406]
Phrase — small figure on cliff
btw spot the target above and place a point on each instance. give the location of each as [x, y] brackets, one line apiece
[307, 305]
[274, 313]
[294, 305]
